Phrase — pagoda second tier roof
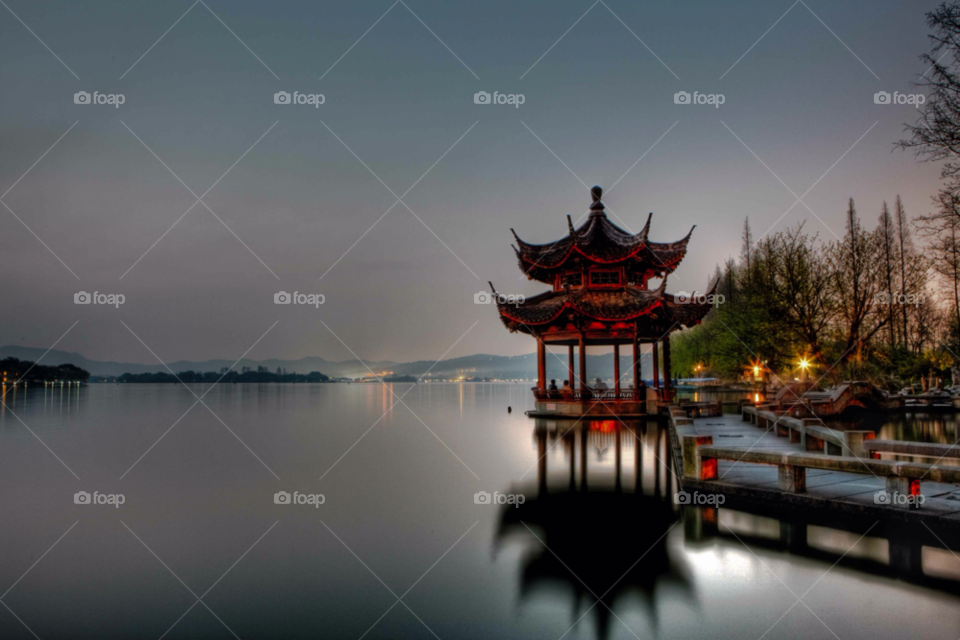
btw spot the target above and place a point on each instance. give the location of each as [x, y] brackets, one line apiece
[606, 305]
[600, 241]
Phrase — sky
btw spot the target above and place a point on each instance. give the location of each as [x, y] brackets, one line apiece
[199, 198]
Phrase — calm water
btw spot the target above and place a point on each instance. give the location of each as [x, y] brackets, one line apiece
[400, 521]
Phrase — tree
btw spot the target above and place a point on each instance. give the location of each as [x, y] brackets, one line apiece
[852, 264]
[904, 246]
[936, 134]
[943, 231]
[885, 233]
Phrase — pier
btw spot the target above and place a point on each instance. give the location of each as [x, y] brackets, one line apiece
[766, 456]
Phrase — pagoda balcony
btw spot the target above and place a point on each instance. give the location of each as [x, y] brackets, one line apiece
[586, 395]
[600, 403]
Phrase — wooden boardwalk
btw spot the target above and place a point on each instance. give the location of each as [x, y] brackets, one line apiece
[837, 491]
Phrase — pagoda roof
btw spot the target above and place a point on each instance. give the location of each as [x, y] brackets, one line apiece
[602, 242]
[619, 304]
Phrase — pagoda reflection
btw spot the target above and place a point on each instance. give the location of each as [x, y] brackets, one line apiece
[591, 536]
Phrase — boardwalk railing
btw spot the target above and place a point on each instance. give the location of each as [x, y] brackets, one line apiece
[700, 460]
[916, 449]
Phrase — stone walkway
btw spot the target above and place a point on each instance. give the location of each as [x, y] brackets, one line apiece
[853, 492]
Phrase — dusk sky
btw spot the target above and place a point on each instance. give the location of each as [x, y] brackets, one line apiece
[308, 207]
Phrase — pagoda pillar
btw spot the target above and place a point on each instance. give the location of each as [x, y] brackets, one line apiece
[616, 370]
[637, 369]
[573, 381]
[583, 362]
[667, 393]
[541, 365]
[656, 366]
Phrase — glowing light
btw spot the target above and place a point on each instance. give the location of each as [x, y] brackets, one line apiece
[804, 363]
[604, 426]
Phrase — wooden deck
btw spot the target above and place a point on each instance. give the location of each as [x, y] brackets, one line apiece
[838, 491]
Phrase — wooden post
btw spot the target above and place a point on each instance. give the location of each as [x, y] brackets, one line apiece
[637, 369]
[667, 394]
[541, 365]
[656, 366]
[583, 362]
[616, 370]
[692, 464]
[792, 479]
[573, 381]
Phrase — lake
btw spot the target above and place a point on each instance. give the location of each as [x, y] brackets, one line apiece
[400, 546]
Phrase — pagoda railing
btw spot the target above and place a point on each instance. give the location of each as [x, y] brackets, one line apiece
[588, 395]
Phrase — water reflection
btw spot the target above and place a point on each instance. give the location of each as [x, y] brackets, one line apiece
[606, 539]
[584, 535]
[59, 399]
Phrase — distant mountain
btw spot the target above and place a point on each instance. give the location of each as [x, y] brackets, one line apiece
[476, 366]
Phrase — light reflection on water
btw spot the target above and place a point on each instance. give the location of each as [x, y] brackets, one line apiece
[598, 519]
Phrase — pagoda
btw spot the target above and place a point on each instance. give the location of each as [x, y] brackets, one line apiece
[599, 296]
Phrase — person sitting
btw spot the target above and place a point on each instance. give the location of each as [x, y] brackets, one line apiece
[553, 385]
[600, 385]
[566, 391]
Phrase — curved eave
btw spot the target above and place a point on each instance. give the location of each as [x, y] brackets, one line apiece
[663, 256]
[642, 301]
[580, 312]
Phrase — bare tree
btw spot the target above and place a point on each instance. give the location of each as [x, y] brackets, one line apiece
[885, 234]
[856, 280]
[801, 289]
[943, 231]
[936, 134]
[904, 245]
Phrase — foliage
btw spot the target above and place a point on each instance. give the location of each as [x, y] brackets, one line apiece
[856, 307]
[228, 377]
[15, 370]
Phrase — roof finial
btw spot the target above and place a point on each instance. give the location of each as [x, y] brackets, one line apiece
[597, 206]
